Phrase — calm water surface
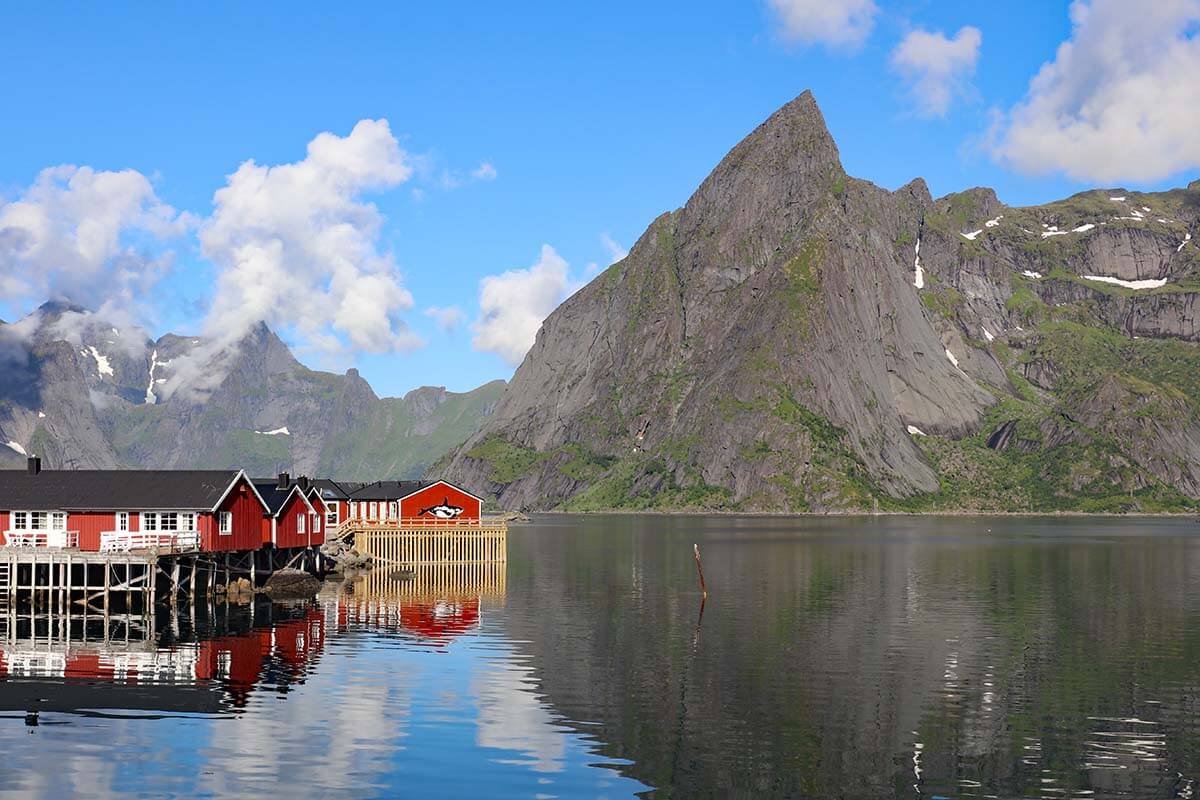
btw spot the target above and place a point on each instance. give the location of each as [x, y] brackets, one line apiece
[857, 658]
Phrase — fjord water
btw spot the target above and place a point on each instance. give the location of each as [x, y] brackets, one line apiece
[835, 657]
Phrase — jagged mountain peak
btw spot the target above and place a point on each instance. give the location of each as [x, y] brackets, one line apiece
[108, 399]
[794, 338]
[783, 165]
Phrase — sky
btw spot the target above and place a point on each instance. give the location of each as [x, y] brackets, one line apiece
[409, 189]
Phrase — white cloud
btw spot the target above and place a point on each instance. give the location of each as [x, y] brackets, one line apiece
[512, 305]
[484, 172]
[296, 247]
[1120, 100]
[448, 318]
[836, 23]
[937, 68]
[615, 251]
[89, 235]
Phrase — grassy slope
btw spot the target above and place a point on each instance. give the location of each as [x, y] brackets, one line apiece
[390, 446]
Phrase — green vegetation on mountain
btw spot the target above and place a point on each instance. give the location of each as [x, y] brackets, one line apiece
[794, 339]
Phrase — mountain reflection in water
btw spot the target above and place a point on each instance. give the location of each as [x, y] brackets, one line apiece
[857, 657]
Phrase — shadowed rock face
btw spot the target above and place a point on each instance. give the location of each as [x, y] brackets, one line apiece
[265, 412]
[767, 347]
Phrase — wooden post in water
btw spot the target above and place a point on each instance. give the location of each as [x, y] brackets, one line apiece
[700, 569]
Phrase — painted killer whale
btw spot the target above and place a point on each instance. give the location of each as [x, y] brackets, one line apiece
[443, 511]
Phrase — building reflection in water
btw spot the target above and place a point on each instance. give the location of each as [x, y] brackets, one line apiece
[433, 604]
[204, 659]
[387, 684]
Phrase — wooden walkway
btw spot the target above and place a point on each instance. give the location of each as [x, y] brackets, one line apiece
[52, 578]
[410, 543]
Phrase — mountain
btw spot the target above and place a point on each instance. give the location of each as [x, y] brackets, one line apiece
[81, 393]
[795, 339]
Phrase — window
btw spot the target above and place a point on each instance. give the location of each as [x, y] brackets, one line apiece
[393, 510]
[353, 509]
[300, 523]
[20, 520]
[58, 521]
[225, 522]
[316, 523]
[122, 520]
[37, 520]
[168, 521]
[149, 521]
[331, 514]
[187, 522]
[373, 510]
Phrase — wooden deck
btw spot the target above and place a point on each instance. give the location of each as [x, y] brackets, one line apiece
[52, 578]
[412, 543]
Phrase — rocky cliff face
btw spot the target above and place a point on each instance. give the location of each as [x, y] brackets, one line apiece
[81, 393]
[794, 338]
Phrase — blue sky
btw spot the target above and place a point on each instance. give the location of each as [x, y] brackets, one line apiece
[594, 120]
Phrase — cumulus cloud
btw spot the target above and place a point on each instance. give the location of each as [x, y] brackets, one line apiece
[484, 172]
[92, 236]
[937, 68]
[835, 23]
[296, 247]
[512, 305]
[448, 318]
[1120, 100]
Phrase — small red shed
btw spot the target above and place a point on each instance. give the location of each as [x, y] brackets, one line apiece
[441, 501]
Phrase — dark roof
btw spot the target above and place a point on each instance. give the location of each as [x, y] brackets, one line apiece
[272, 495]
[114, 489]
[388, 490]
[336, 490]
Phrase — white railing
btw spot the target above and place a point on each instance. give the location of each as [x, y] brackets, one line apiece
[124, 541]
[42, 537]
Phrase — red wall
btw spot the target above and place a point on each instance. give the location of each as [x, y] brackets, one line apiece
[90, 524]
[285, 525]
[247, 522]
[3, 527]
[411, 506]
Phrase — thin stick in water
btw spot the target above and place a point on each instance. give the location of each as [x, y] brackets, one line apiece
[700, 569]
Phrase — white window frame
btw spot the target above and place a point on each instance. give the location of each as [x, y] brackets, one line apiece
[225, 523]
[316, 522]
[300, 526]
[19, 521]
[123, 521]
[331, 514]
[149, 521]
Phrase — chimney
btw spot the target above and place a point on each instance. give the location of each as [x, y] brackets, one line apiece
[33, 465]
[285, 480]
[303, 481]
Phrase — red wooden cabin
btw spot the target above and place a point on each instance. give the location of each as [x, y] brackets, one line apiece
[206, 510]
[293, 520]
[406, 501]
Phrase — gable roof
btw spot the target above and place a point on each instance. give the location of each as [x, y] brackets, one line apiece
[116, 489]
[275, 498]
[335, 490]
[388, 490]
[427, 484]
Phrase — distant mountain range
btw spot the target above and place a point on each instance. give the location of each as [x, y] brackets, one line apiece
[81, 393]
[794, 338]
